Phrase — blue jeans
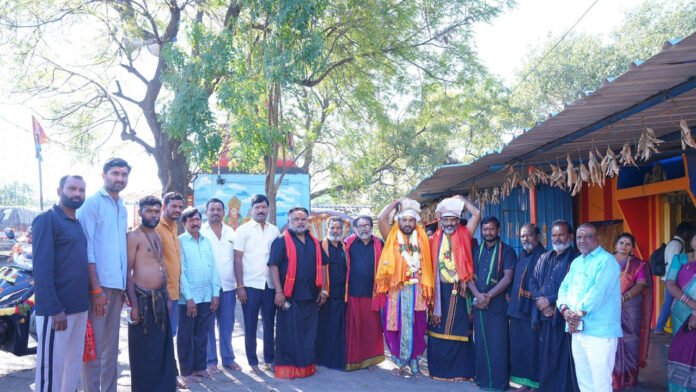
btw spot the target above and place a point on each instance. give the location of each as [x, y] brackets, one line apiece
[665, 312]
[225, 322]
[174, 316]
[262, 300]
[193, 338]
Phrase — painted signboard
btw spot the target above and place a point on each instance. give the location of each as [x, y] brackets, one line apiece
[236, 190]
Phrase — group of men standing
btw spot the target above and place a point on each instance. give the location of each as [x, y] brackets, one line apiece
[489, 314]
[178, 285]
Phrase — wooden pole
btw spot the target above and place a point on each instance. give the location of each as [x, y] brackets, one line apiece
[532, 200]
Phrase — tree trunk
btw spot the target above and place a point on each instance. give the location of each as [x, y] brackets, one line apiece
[172, 167]
[272, 158]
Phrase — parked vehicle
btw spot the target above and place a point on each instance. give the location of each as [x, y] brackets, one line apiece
[17, 323]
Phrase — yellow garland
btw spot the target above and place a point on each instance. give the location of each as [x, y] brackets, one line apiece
[446, 262]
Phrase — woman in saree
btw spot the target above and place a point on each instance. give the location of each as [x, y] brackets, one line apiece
[681, 283]
[636, 312]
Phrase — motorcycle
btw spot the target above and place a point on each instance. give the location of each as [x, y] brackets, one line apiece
[17, 323]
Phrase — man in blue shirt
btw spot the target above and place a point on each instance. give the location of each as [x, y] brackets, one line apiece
[104, 220]
[199, 299]
[62, 289]
[590, 301]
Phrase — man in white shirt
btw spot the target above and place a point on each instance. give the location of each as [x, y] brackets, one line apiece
[221, 237]
[674, 247]
[255, 291]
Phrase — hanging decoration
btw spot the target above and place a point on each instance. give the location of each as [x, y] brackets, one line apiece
[647, 144]
[571, 173]
[610, 166]
[686, 138]
[594, 172]
[626, 156]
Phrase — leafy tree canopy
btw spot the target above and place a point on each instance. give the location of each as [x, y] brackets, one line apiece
[582, 61]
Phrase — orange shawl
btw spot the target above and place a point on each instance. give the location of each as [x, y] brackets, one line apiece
[289, 284]
[393, 269]
[460, 242]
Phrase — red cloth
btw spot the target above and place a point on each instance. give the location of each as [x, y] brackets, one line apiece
[90, 352]
[378, 301]
[460, 242]
[292, 262]
[282, 371]
[364, 337]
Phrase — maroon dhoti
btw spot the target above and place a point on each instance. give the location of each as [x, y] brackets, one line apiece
[364, 338]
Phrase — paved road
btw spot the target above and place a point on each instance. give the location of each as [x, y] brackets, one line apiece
[17, 374]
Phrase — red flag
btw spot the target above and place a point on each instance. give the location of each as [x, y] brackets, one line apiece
[39, 134]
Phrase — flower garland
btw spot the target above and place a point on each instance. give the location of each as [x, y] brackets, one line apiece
[22, 309]
[411, 253]
[446, 264]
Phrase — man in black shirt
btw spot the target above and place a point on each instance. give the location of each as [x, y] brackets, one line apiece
[296, 261]
[331, 336]
[556, 368]
[62, 289]
[364, 334]
[494, 264]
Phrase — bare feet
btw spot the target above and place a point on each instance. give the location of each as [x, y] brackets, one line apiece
[181, 383]
[192, 379]
[213, 369]
[256, 370]
[269, 366]
[202, 373]
[233, 366]
[398, 372]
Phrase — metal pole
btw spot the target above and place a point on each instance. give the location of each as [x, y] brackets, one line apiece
[41, 206]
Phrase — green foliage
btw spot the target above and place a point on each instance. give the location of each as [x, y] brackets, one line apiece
[188, 117]
[373, 94]
[17, 194]
[582, 61]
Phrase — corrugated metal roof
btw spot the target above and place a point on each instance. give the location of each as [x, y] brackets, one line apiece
[670, 72]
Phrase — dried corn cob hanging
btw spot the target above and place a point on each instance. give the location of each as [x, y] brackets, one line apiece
[596, 173]
[610, 166]
[495, 197]
[506, 188]
[577, 187]
[686, 138]
[571, 173]
[647, 144]
[541, 176]
[557, 177]
[584, 172]
[626, 156]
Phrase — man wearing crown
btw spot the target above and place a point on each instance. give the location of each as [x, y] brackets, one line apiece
[450, 340]
[404, 284]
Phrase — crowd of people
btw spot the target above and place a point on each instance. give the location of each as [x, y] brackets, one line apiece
[566, 319]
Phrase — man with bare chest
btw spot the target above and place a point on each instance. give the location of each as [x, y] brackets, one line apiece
[150, 346]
